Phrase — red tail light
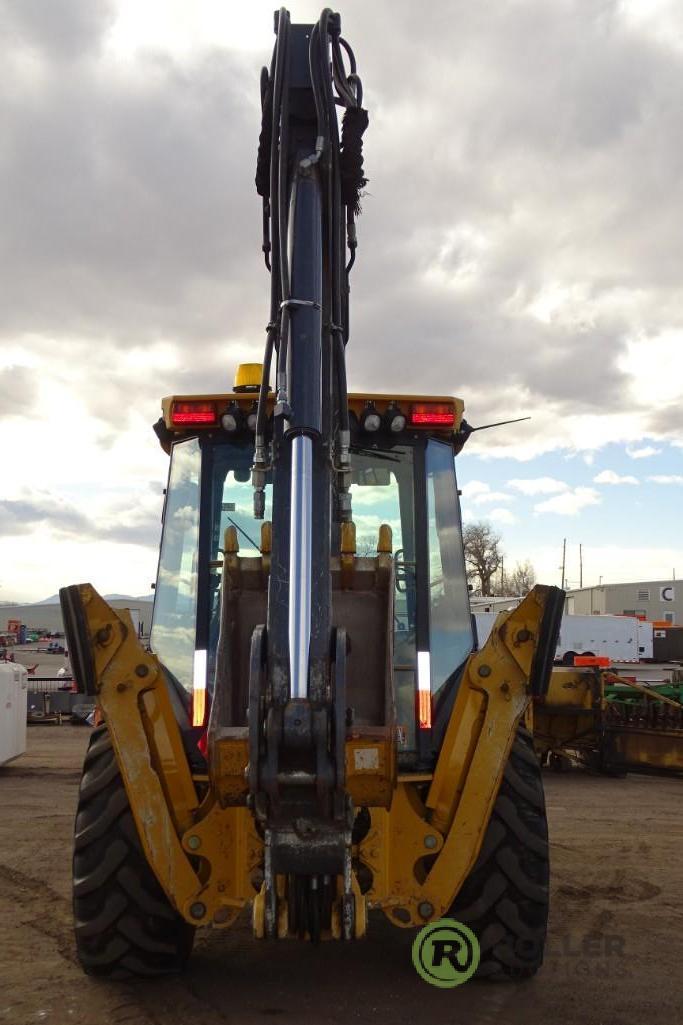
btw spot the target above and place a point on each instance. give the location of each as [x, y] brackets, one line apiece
[432, 414]
[187, 413]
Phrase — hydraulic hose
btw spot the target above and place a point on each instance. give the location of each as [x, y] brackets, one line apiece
[341, 168]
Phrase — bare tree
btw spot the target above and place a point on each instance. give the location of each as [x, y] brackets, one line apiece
[482, 554]
[519, 582]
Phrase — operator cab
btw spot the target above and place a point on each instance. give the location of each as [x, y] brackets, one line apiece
[403, 477]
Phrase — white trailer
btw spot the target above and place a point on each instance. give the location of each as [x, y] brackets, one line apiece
[620, 638]
[646, 634]
[13, 697]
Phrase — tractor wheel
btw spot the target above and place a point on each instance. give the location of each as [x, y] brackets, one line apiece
[124, 923]
[504, 900]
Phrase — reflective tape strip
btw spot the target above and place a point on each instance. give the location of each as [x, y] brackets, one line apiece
[424, 691]
[424, 671]
[199, 688]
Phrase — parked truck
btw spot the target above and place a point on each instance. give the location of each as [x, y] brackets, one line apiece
[621, 638]
[668, 643]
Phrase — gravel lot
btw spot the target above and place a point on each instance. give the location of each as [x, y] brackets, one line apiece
[614, 956]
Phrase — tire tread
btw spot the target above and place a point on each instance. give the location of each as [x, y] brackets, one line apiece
[504, 900]
[124, 923]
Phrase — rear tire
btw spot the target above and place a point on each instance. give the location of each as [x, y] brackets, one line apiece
[124, 923]
[505, 898]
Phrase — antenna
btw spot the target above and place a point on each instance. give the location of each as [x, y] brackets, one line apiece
[465, 429]
[499, 423]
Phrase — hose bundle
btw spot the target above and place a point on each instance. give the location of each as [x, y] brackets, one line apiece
[351, 161]
[340, 164]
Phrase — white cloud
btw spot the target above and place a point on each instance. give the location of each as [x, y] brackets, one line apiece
[666, 478]
[473, 488]
[494, 496]
[610, 477]
[479, 493]
[554, 429]
[538, 485]
[655, 365]
[569, 503]
[615, 563]
[123, 123]
[110, 567]
[500, 515]
[642, 453]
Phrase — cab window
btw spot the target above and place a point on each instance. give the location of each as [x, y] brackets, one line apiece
[175, 600]
[450, 624]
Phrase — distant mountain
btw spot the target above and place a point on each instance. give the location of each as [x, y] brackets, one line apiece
[54, 598]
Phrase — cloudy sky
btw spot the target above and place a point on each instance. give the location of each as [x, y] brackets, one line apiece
[521, 246]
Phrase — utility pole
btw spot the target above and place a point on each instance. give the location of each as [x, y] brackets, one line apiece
[564, 560]
[580, 565]
[502, 574]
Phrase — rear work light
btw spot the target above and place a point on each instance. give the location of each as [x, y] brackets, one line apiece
[432, 414]
[252, 417]
[231, 420]
[370, 420]
[394, 419]
[185, 414]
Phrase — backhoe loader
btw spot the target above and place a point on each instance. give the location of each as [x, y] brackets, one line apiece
[311, 733]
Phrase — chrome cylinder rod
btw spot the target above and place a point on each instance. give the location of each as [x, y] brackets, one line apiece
[300, 547]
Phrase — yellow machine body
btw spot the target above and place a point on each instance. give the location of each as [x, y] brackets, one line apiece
[426, 830]
[578, 719]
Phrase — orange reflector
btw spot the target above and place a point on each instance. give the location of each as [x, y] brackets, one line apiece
[198, 706]
[186, 413]
[592, 660]
[424, 710]
[432, 414]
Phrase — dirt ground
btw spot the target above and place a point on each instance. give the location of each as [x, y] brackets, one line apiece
[614, 955]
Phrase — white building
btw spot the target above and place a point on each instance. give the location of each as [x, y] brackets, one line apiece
[655, 600]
